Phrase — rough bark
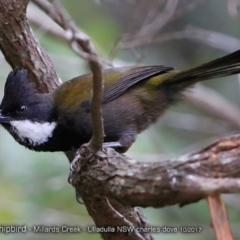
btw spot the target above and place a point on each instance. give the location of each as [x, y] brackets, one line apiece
[162, 183]
[127, 183]
[20, 47]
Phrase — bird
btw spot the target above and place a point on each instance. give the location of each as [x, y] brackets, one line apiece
[133, 99]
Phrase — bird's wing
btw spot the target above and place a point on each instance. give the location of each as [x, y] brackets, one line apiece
[131, 77]
[122, 79]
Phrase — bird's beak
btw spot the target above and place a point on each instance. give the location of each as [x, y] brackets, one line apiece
[4, 119]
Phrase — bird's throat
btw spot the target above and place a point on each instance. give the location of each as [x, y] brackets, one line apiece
[34, 133]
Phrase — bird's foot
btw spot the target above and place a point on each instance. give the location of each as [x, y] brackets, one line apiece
[123, 144]
[117, 146]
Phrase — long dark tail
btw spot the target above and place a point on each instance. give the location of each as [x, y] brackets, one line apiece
[224, 66]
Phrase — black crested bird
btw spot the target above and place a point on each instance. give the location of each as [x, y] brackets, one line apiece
[133, 99]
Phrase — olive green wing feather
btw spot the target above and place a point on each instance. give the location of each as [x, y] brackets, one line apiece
[118, 80]
[130, 78]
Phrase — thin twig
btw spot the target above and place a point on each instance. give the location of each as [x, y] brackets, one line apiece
[215, 104]
[151, 26]
[219, 218]
[78, 40]
[124, 220]
[73, 34]
[209, 37]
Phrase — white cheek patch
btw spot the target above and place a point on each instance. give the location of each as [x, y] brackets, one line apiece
[37, 133]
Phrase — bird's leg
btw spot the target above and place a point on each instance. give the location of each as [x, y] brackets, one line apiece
[117, 146]
[112, 144]
[123, 144]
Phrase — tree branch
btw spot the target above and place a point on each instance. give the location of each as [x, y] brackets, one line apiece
[20, 47]
[180, 181]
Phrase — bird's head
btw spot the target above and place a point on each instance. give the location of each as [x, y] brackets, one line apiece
[25, 113]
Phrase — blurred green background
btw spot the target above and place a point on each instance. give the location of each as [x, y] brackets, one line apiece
[34, 187]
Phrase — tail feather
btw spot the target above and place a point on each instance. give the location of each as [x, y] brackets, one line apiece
[224, 66]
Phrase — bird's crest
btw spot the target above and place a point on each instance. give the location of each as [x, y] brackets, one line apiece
[18, 84]
[18, 89]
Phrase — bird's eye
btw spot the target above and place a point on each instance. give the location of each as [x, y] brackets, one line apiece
[21, 110]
